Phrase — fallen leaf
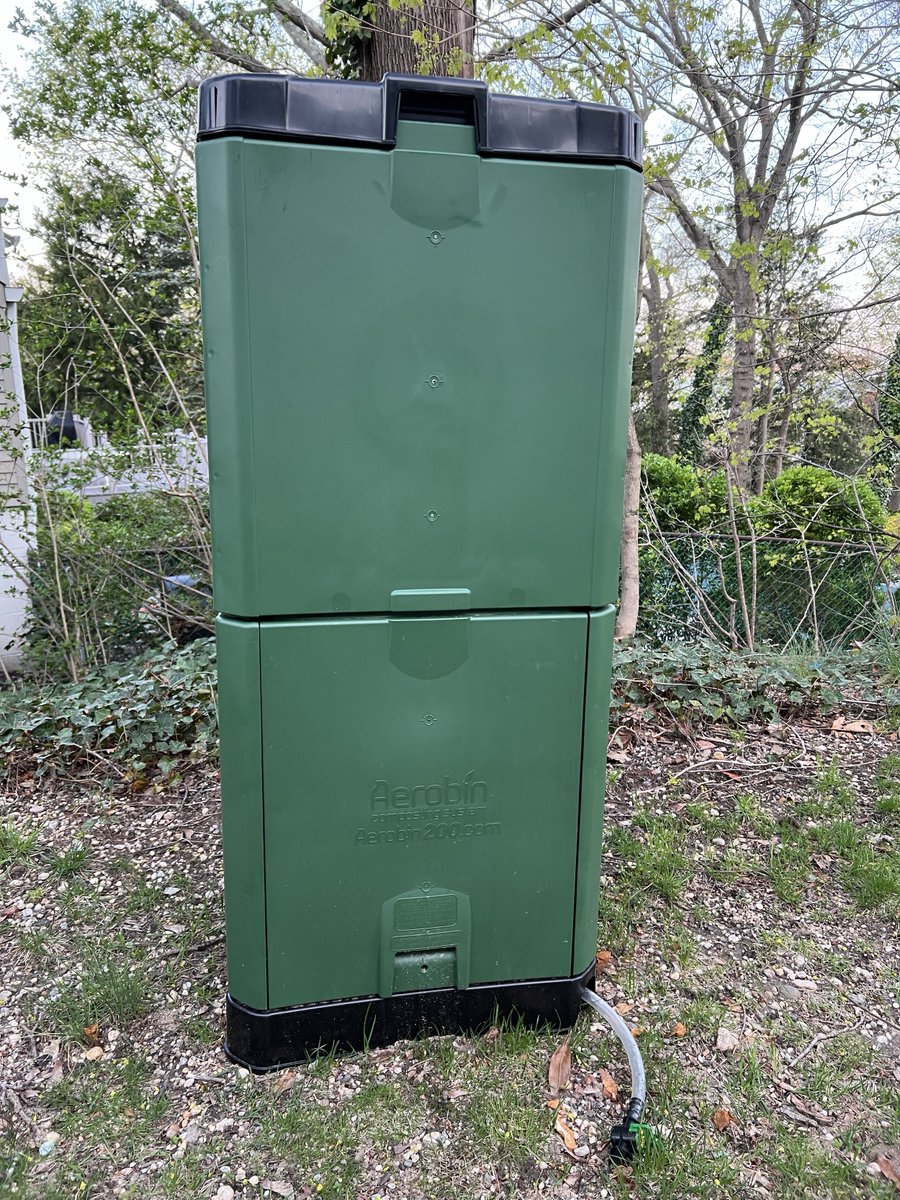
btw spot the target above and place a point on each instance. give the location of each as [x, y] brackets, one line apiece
[679, 1030]
[888, 1170]
[566, 1134]
[624, 1006]
[722, 1119]
[610, 1087]
[56, 1071]
[623, 738]
[840, 725]
[810, 1109]
[284, 1082]
[727, 1039]
[560, 1067]
[704, 745]
[276, 1186]
[492, 1034]
[553, 1103]
[617, 756]
[8, 912]
[637, 1030]
[455, 1093]
[604, 959]
[95, 1053]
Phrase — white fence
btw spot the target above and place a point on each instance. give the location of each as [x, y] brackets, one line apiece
[178, 462]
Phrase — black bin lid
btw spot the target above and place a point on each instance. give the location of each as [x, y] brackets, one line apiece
[341, 112]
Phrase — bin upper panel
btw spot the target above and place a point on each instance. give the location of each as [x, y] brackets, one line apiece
[417, 369]
[366, 114]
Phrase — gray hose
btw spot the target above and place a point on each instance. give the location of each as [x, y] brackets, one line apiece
[630, 1046]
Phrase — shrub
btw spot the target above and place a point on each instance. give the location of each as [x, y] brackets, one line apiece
[822, 573]
[809, 564]
[815, 505]
[93, 570]
[684, 497]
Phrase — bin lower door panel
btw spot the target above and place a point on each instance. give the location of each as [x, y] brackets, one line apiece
[421, 792]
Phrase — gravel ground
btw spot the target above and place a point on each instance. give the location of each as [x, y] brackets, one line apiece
[748, 930]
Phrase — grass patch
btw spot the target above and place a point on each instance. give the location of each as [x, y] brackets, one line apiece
[16, 845]
[830, 797]
[836, 1071]
[320, 1146]
[504, 1121]
[198, 1029]
[752, 814]
[887, 785]
[112, 989]
[35, 942]
[69, 862]
[110, 1100]
[805, 1171]
[872, 878]
[788, 868]
[726, 866]
[657, 863]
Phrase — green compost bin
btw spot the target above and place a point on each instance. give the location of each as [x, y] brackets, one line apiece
[418, 308]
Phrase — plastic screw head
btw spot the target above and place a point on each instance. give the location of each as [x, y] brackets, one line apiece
[435, 237]
[431, 516]
[435, 381]
[429, 719]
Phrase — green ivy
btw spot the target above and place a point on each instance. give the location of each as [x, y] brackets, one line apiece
[148, 715]
[142, 714]
[704, 680]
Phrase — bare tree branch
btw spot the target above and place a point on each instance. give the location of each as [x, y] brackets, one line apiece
[219, 48]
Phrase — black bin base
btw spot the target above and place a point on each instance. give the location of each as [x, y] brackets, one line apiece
[275, 1038]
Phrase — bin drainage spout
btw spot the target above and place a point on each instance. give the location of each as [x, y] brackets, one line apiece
[628, 1137]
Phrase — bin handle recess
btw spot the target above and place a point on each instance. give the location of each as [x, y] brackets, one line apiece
[450, 101]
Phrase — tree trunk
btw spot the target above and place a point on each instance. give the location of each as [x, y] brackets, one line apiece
[630, 575]
[698, 403]
[760, 463]
[759, 459]
[656, 327]
[446, 47]
[776, 458]
[743, 375]
[629, 602]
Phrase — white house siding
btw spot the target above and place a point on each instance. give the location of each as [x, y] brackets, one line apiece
[13, 599]
[15, 500]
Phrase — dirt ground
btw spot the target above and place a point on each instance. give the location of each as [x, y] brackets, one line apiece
[748, 929]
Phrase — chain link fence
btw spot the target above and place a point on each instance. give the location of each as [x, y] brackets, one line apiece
[748, 591]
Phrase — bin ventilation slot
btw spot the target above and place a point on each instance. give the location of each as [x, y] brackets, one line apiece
[451, 109]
